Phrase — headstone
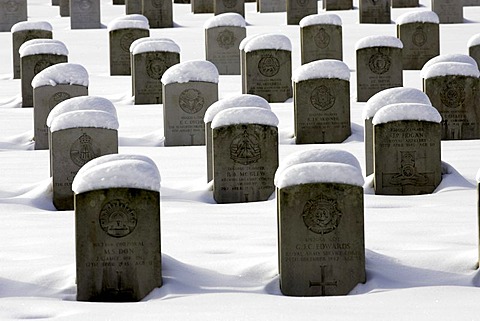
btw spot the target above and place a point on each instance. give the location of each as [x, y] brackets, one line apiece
[448, 11]
[122, 33]
[133, 7]
[471, 2]
[268, 67]
[158, 12]
[244, 100]
[406, 150]
[51, 86]
[384, 98]
[118, 2]
[379, 65]
[85, 14]
[321, 37]
[223, 34]
[150, 61]
[245, 154]
[453, 89]
[405, 3]
[181, 1]
[374, 11]
[271, 6]
[224, 6]
[117, 229]
[24, 31]
[36, 55]
[321, 246]
[76, 138]
[202, 6]
[337, 4]
[189, 88]
[474, 47]
[243, 64]
[321, 100]
[420, 35]
[64, 7]
[12, 12]
[298, 9]
[461, 58]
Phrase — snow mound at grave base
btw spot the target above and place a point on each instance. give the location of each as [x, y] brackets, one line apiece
[63, 73]
[398, 112]
[245, 115]
[31, 25]
[155, 45]
[229, 19]
[235, 101]
[84, 118]
[378, 41]
[418, 16]
[448, 58]
[194, 70]
[321, 19]
[441, 69]
[268, 41]
[327, 68]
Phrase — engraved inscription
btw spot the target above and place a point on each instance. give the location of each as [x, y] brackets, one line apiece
[419, 37]
[269, 66]
[322, 39]
[408, 174]
[191, 101]
[245, 149]
[226, 39]
[229, 3]
[58, 98]
[322, 283]
[157, 3]
[11, 6]
[84, 5]
[117, 219]
[379, 63]
[40, 65]
[321, 215]
[83, 150]
[453, 93]
[125, 41]
[322, 98]
[155, 65]
[302, 3]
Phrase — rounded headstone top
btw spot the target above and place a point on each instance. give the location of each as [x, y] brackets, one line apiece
[245, 115]
[395, 95]
[134, 21]
[326, 68]
[147, 39]
[418, 16]
[156, 45]
[474, 40]
[245, 40]
[194, 70]
[451, 68]
[63, 73]
[38, 41]
[407, 111]
[235, 101]
[268, 41]
[117, 171]
[84, 118]
[31, 25]
[33, 47]
[378, 41]
[228, 19]
[448, 58]
[321, 19]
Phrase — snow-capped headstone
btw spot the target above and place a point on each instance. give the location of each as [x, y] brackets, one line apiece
[245, 154]
[64, 8]
[448, 11]
[24, 31]
[224, 6]
[374, 11]
[474, 47]
[202, 6]
[321, 246]
[223, 34]
[321, 37]
[158, 12]
[117, 229]
[321, 102]
[85, 14]
[268, 67]
[189, 88]
[12, 12]
[271, 6]
[51, 86]
[133, 7]
[406, 150]
[405, 3]
[379, 65]
[298, 9]
[420, 35]
[337, 4]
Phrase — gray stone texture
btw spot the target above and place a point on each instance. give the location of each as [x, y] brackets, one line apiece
[448, 11]
[298, 9]
[337, 4]
[368, 139]
[11, 12]
[421, 42]
[181, 1]
[202, 6]
[405, 3]
[158, 12]
[18, 38]
[133, 6]
[64, 7]
[85, 14]
[118, 2]
[471, 2]
[271, 6]
[375, 11]
[120, 41]
[224, 6]
[474, 52]
[221, 48]
[322, 41]
[209, 148]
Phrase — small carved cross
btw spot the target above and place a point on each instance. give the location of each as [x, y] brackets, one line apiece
[322, 283]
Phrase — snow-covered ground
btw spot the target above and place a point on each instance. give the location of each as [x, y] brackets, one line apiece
[220, 261]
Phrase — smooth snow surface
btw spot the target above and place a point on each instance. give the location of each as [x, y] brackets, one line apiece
[31, 25]
[418, 16]
[474, 40]
[229, 19]
[326, 68]
[244, 115]
[244, 100]
[463, 58]
[148, 39]
[84, 118]
[441, 69]
[63, 73]
[268, 41]
[52, 48]
[156, 45]
[321, 19]
[408, 111]
[129, 21]
[195, 70]
[378, 41]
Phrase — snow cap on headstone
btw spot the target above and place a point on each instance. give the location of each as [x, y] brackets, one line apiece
[268, 41]
[63, 73]
[441, 69]
[418, 16]
[42, 46]
[320, 19]
[194, 70]
[448, 58]
[228, 19]
[84, 118]
[155, 45]
[245, 115]
[31, 25]
[408, 111]
[326, 68]
[378, 41]
[244, 100]
[135, 21]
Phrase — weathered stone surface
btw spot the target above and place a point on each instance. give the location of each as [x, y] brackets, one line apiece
[18, 38]
[85, 14]
[221, 48]
[271, 6]
[202, 6]
[133, 6]
[474, 52]
[374, 11]
[298, 9]
[223, 6]
[118, 2]
[64, 7]
[322, 41]
[404, 3]
[11, 12]
[421, 42]
[120, 41]
[337, 4]
[448, 11]
[158, 12]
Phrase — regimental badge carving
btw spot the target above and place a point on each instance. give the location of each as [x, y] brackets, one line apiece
[157, 3]
[11, 6]
[322, 98]
[226, 39]
[229, 3]
[191, 101]
[419, 37]
[84, 5]
[40, 65]
[322, 39]
[245, 149]
[408, 174]
[125, 41]
[379, 63]
[117, 219]
[453, 93]
[58, 98]
[321, 215]
[302, 3]
[155, 65]
[83, 150]
[269, 66]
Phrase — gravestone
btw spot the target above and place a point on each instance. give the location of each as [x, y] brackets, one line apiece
[321, 100]
[474, 47]
[405, 3]
[406, 149]
[245, 154]
[223, 34]
[298, 9]
[337, 4]
[158, 12]
[244, 100]
[51, 86]
[189, 88]
[243, 65]
[271, 6]
[268, 67]
[321, 37]
[374, 11]
[85, 14]
[386, 97]
[133, 7]
[471, 2]
[12, 12]
[64, 8]
[36, 55]
[150, 61]
[448, 11]
[453, 89]
[202, 6]
[117, 229]
[224, 6]
[379, 65]
[181, 1]
[420, 35]
[24, 31]
[122, 33]
[118, 2]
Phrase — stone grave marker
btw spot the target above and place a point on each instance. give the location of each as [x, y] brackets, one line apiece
[122, 32]
[202, 6]
[85, 14]
[189, 88]
[181, 1]
[337, 4]
[36, 55]
[321, 37]
[420, 35]
[133, 7]
[118, 2]
[474, 47]
[51, 86]
[405, 3]
[223, 34]
[375, 11]
[117, 229]
[24, 31]
[453, 89]
[471, 2]
[379, 65]
[224, 6]
[448, 11]
[384, 98]
[64, 8]
[158, 12]
[268, 67]
[406, 149]
[271, 6]
[12, 12]
[244, 100]
[298, 9]
[243, 65]
[245, 154]
[321, 100]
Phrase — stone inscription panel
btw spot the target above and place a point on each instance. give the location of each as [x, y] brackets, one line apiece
[321, 42]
